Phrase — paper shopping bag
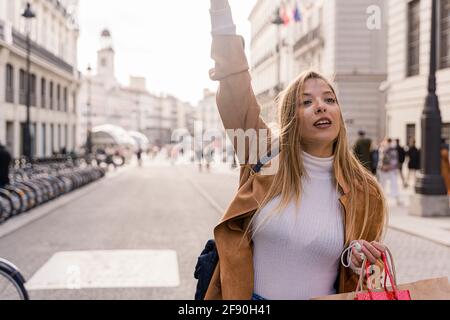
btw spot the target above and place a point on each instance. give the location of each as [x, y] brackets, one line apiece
[429, 289]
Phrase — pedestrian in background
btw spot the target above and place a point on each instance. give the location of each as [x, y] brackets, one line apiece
[445, 166]
[5, 162]
[388, 168]
[362, 150]
[374, 157]
[208, 155]
[401, 159]
[413, 155]
[139, 156]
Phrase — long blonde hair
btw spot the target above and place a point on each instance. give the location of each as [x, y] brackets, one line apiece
[287, 182]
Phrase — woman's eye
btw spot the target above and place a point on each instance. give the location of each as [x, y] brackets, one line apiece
[330, 100]
[307, 102]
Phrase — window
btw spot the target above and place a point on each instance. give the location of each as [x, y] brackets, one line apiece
[51, 95]
[59, 143]
[444, 61]
[74, 108]
[65, 99]
[44, 139]
[33, 90]
[66, 136]
[9, 94]
[74, 136]
[43, 94]
[22, 87]
[413, 38]
[52, 137]
[58, 97]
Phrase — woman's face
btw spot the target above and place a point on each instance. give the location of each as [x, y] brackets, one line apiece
[320, 117]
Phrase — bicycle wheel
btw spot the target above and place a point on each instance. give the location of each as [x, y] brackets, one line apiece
[12, 283]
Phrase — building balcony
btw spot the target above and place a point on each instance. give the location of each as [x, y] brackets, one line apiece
[20, 41]
[311, 38]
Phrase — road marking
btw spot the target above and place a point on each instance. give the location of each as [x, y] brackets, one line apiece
[107, 269]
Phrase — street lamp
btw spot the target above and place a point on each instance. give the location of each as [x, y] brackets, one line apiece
[28, 14]
[138, 112]
[278, 21]
[431, 194]
[88, 112]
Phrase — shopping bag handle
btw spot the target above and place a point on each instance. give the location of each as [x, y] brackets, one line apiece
[389, 269]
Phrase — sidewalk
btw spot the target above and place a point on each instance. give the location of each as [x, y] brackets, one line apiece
[433, 229]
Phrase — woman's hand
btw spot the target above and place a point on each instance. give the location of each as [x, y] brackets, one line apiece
[372, 250]
[221, 18]
[219, 4]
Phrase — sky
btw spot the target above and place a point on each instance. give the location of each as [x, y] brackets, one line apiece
[166, 41]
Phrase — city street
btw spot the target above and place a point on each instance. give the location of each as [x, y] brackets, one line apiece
[137, 233]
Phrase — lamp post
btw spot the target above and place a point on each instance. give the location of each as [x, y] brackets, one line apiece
[431, 194]
[138, 112]
[28, 14]
[88, 112]
[278, 22]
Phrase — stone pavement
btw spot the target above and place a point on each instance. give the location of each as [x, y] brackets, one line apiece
[436, 229]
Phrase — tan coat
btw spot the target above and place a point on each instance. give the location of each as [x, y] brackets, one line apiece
[238, 108]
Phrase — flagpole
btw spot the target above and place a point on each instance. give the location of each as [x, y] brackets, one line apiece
[278, 22]
[279, 86]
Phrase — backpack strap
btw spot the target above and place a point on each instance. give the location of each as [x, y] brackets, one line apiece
[264, 160]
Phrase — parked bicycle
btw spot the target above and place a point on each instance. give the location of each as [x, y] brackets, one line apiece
[12, 283]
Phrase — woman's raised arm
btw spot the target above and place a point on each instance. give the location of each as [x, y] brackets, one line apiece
[238, 107]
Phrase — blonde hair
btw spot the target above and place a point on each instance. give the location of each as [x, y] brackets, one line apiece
[287, 182]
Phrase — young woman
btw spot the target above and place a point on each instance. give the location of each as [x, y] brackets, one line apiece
[283, 235]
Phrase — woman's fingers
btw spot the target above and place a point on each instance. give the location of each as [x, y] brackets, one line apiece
[379, 246]
[369, 255]
[371, 250]
[356, 262]
[356, 258]
[374, 251]
[219, 4]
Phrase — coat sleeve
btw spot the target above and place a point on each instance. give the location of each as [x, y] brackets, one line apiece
[236, 101]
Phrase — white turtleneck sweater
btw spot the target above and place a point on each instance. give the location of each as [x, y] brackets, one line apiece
[297, 252]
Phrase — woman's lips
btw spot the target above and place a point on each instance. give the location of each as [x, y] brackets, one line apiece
[323, 126]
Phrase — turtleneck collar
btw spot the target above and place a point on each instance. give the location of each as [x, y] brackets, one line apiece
[318, 167]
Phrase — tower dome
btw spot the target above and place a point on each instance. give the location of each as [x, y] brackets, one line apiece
[106, 39]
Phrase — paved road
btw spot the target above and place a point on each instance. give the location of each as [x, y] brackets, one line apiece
[161, 207]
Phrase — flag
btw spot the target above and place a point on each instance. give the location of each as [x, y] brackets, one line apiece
[284, 14]
[297, 15]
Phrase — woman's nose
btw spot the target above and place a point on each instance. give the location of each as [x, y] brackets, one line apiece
[321, 107]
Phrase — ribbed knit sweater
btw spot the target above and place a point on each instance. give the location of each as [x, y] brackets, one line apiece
[297, 252]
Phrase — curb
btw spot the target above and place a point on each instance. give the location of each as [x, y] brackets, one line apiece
[435, 235]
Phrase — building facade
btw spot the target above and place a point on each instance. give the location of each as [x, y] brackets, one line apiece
[208, 114]
[54, 76]
[103, 100]
[345, 40]
[408, 67]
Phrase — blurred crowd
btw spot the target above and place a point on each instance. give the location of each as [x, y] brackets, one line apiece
[387, 160]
